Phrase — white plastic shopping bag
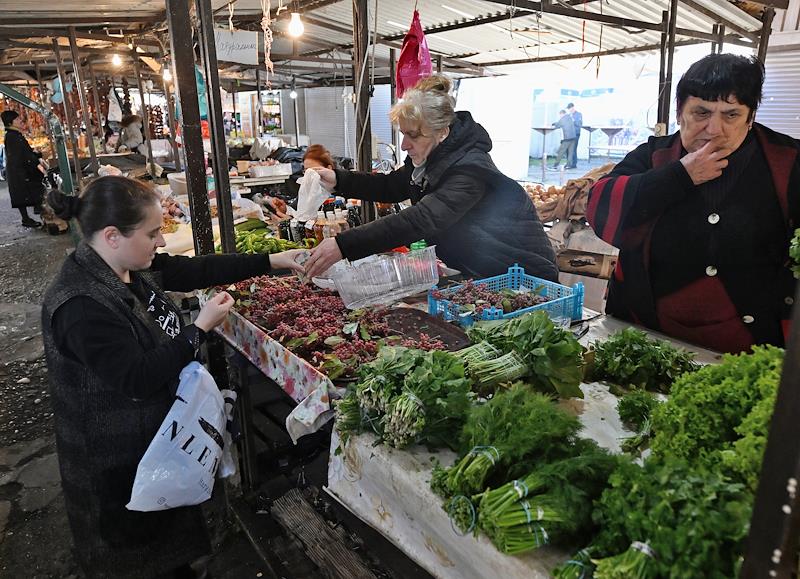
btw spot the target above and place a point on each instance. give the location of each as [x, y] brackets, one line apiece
[310, 196]
[190, 448]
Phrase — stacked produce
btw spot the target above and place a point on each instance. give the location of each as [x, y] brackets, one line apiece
[541, 195]
[476, 297]
[407, 396]
[526, 479]
[686, 511]
[253, 236]
[315, 324]
[532, 347]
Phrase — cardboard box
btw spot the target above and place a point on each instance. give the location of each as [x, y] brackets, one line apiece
[586, 263]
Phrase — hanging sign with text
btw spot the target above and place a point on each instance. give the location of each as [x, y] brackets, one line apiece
[238, 46]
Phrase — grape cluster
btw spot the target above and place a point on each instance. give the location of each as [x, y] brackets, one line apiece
[424, 342]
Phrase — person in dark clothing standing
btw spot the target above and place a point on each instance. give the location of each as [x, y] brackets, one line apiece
[115, 346]
[704, 218]
[567, 126]
[24, 169]
[577, 120]
[481, 221]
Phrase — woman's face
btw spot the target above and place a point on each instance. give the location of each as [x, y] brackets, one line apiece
[418, 141]
[310, 163]
[137, 250]
[723, 122]
[18, 123]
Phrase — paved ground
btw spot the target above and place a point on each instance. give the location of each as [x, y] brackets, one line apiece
[35, 541]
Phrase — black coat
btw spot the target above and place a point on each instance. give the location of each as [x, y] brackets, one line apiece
[24, 177]
[481, 221]
[113, 373]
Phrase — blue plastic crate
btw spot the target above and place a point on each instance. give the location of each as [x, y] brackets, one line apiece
[564, 301]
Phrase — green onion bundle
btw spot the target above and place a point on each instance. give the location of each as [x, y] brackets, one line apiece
[520, 538]
[635, 563]
[374, 393]
[348, 416]
[478, 353]
[578, 566]
[405, 419]
[469, 474]
[506, 368]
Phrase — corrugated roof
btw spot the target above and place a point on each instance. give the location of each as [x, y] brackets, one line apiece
[528, 35]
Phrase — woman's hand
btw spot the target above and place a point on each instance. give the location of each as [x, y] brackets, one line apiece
[322, 257]
[327, 176]
[707, 163]
[287, 260]
[213, 313]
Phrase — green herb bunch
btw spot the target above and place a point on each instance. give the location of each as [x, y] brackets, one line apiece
[549, 356]
[794, 253]
[503, 437]
[719, 416]
[407, 396]
[635, 408]
[693, 519]
[629, 358]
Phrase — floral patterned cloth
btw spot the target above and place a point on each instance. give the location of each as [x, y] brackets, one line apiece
[309, 387]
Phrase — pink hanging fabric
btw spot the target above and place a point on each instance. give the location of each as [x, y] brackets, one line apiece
[415, 58]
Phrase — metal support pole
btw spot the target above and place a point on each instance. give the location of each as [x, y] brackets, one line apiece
[181, 42]
[361, 88]
[219, 148]
[439, 63]
[76, 67]
[234, 96]
[715, 34]
[766, 29]
[98, 112]
[176, 155]
[667, 94]
[45, 105]
[721, 40]
[261, 61]
[393, 97]
[661, 123]
[145, 116]
[771, 544]
[296, 122]
[76, 154]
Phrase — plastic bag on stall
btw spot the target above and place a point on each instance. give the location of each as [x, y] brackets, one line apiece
[310, 196]
[190, 447]
[415, 58]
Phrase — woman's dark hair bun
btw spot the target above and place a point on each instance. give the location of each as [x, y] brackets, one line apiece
[65, 206]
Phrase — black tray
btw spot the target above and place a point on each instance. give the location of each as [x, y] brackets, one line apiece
[411, 322]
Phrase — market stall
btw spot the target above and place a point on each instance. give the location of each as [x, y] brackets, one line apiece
[390, 489]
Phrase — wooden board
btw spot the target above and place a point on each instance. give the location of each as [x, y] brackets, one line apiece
[323, 545]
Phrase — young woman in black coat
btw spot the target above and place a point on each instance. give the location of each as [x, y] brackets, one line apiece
[24, 169]
[481, 221]
[115, 346]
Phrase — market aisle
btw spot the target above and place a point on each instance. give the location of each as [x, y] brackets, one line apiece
[35, 540]
[34, 537]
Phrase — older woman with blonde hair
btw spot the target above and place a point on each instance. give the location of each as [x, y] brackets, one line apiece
[480, 220]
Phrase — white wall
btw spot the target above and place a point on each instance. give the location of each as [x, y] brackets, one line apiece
[503, 106]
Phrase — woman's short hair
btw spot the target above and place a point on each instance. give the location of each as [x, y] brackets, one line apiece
[429, 103]
[319, 154]
[719, 76]
[8, 117]
[107, 201]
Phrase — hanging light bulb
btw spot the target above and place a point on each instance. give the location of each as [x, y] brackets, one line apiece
[293, 94]
[296, 27]
[166, 74]
[116, 60]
